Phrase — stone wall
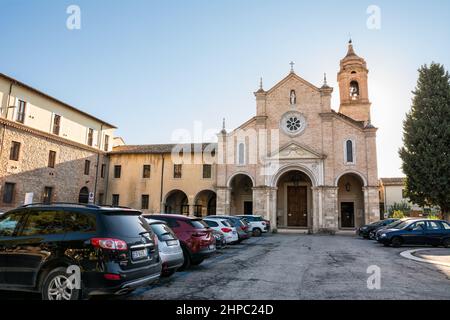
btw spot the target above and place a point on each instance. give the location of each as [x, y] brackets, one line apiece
[32, 174]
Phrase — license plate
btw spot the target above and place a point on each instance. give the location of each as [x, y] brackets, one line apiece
[139, 254]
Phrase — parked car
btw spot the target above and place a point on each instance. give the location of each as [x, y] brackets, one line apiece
[417, 232]
[374, 234]
[242, 227]
[220, 239]
[169, 247]
[197, 240]
[223, 226]
[257, 224]
[364, 231]
[114, 249]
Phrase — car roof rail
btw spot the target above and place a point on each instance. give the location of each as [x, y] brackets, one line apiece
[88, 205]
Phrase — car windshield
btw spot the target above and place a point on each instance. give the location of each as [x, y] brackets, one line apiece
[198, 224]
[403, 224]
[125, 224]
[163, 232]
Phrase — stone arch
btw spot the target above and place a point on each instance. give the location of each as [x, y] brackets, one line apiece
[205, 203]
[176, 201]
[294, 167]
[230, 178]
[355, 172]
[351, 200]
[241, 186]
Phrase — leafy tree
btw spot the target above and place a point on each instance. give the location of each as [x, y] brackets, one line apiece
[426, 138]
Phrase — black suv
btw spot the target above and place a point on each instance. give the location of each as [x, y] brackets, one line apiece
[43, 248]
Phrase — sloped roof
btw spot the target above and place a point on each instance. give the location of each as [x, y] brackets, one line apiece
[161, 148]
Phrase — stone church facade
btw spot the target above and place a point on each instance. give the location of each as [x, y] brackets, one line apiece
[321, 172]
[297, 162]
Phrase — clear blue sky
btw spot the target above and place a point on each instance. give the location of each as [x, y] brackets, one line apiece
[152, 67]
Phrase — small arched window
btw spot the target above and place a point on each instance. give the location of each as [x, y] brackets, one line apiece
[241, 153]
[349, 149]
[354, 90]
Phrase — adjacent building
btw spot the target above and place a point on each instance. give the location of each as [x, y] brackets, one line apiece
[50, 151]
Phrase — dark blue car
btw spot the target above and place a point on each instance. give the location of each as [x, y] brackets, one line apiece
[417, 232]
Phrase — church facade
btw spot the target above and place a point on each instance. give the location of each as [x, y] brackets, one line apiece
[297, 162]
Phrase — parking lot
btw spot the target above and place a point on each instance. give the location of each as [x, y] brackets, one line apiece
[298, 267]
[304, 267]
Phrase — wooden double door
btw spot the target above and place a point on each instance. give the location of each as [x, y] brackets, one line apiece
[297, 206]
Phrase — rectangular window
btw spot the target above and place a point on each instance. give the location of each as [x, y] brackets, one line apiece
[15, 151]
[21, 107]
[146, 171]
[177, 171]
[44, 223]
[115, 200]
[90, 139]
[145, 201]
[106, 143]
[47, 197]
[117, 172]
[87, 167]
[207, 171]
[103, 170]
[100, 198]
[56, 124]
[51, 159]
[8, 192]
[198, 210]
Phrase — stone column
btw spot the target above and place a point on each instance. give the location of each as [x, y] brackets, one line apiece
[260, 195]
[223, 204]
[330, 208]
[272, 207]
[371, 204]
[316, 210]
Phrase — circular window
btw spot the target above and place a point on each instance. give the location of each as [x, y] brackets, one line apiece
[293, 123]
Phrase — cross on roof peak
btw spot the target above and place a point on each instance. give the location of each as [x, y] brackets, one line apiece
[292, 63]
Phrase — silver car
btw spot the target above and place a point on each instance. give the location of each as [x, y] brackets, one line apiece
[169, 247]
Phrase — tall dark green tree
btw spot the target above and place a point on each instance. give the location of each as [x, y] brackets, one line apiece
[426, 138]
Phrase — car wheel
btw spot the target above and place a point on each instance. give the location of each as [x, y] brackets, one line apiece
[396, 242]
[187, 260]
[446, 243]
[167, 273]
[56, 286]
[257, 232]
[197, 262]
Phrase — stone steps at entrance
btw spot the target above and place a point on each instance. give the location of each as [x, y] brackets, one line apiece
[292, 231]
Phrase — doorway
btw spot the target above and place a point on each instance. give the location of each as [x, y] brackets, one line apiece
[248, 208]
[297, 206]
[347, 214]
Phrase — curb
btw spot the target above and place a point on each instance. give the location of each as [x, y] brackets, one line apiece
[409, 255]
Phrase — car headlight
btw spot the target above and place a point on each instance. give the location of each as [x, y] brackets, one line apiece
[383, 235]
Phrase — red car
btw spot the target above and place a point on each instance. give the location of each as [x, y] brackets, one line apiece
[197, 240]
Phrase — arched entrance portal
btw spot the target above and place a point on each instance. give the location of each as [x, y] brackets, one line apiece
[176, 203]
[83, 197]
[351, 201]
[241, 195]
[294, 200]
[205, 203]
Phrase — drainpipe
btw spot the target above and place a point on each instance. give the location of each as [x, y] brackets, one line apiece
[99, 143]
[162, 184]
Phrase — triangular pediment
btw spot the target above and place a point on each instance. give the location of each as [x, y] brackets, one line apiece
[295, 77]
[295, 150]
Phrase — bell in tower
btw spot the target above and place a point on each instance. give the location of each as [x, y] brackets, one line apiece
[353, 87]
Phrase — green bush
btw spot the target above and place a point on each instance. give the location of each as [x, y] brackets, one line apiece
[398, 214]
[433, 217]
[403, 207]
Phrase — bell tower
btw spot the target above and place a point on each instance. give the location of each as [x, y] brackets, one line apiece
[353, 87]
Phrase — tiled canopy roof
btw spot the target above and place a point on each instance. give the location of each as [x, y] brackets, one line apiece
[393, 181]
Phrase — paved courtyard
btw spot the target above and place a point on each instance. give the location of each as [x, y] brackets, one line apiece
[304, 267]
[299, 267]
